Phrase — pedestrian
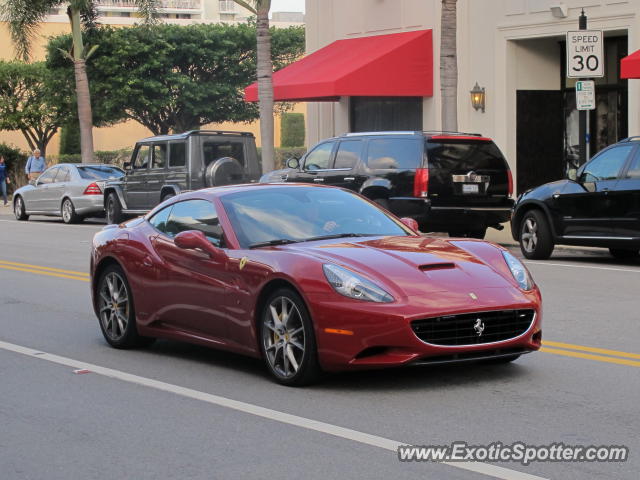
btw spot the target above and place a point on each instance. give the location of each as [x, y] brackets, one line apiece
[4, 179]
[36, 164]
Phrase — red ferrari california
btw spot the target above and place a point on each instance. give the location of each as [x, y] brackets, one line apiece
[309, 279]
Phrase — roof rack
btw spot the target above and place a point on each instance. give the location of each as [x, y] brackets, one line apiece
[388, 132]
[219, 132]
[440, 132]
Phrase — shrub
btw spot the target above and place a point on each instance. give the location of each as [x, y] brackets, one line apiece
[70, 138]
[292, 130]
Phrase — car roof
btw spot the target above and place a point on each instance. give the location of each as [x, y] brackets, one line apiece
[182, 136]
[413, 133]
[224, 190]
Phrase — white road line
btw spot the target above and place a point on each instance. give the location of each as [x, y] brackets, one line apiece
[582, 266]
[275, 415]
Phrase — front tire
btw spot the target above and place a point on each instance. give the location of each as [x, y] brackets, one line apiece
[68, 211]
[287, 339]
[536, 242]
[113, 209]
[19, 209]
[116, 310]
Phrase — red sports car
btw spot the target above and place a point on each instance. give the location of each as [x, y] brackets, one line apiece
[309, 278]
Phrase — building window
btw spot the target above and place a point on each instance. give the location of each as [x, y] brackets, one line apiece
[375, 114]
[227, 6]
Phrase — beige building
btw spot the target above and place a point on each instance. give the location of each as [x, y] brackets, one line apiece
[512, 48]
[123, 13]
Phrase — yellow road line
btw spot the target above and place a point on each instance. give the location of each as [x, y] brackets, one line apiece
[588, 356]
[37, 267]
[44, 272]
[570, 346]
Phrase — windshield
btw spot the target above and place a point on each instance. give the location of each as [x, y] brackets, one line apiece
[100, 172]
[295, 214]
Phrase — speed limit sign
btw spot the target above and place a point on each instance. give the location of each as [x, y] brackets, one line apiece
[584, 54]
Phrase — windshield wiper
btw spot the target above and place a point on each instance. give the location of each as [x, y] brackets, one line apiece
[277, 241]
[337, 235]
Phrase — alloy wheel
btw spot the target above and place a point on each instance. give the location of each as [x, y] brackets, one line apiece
[17, 208]
[67, 211]
[283, 337]
[530, 234]
[114, 306]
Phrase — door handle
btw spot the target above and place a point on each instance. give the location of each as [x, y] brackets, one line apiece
[146, 262]
[349, 179]
[606, 191]
[318, 180]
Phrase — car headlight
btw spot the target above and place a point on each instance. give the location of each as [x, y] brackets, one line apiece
[519, 271]
[352, 285]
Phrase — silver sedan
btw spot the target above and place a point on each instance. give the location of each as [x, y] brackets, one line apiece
[67, 190]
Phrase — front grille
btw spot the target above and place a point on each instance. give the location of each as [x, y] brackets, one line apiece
[473, 328]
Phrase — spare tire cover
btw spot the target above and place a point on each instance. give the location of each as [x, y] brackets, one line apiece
[224, 171]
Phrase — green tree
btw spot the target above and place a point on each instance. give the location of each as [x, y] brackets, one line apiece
[175, 78]
[265, 82]
[449, 65]
[29, 103]
[24, 16]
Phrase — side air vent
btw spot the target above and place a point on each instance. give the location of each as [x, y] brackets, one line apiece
[437, 266]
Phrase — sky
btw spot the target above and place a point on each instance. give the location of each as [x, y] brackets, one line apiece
[287, 5]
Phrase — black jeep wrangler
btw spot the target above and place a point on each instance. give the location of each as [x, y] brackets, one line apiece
[164, 166]
[458, 183]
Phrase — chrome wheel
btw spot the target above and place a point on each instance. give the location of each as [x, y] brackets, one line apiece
[67, 211]
[283, 337]
[114, 306]
[529, 235]
[17, 208]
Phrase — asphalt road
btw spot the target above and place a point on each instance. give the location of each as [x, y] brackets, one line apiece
[181, 411]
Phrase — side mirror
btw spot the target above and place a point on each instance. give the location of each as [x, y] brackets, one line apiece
[410, 222]
[572, 175]
[126, 165]
[195, 239]
[293, 163]
[33, 182]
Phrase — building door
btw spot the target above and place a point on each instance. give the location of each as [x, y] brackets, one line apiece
[539, 138]
[377, 114]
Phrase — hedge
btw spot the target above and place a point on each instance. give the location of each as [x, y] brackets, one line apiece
[292, 130]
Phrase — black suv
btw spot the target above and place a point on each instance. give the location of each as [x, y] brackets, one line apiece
[164, 166]
[599, 207]
[453, 182]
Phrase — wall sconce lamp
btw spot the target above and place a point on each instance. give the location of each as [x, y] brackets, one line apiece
[559, 10]
[477, 97]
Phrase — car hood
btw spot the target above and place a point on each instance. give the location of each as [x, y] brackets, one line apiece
[417, 265]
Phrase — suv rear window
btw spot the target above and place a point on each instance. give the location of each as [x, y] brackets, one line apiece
[464, 155]
[394, 153]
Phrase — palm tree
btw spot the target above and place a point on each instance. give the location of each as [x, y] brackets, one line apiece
[265, 84]
[448, 66]
[24, 16]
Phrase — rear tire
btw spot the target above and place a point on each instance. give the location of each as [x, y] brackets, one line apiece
[19, 209]
[536, 242]
[68, 212]
[167, 196]
[113, 209]
[624, 254]
[116, 310]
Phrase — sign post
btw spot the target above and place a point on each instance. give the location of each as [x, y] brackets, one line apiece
[584, 60]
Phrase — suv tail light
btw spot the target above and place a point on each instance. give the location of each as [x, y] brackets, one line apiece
[421, 183]
[92, 189]
[510, 176]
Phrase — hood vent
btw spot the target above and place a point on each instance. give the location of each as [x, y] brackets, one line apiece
[436, 266]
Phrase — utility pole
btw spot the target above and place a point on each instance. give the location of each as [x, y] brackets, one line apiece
[583, 115]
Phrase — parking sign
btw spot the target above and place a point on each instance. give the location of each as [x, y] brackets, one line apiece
[586, 95]
[584, 54]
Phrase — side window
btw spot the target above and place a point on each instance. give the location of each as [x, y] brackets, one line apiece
[195, 215]
[159, 220]
[143, 155]
[48, 176]
[177, 154]
[348, 153]
[318, 158]
[607, 165]
[393, 153]
[64, 175]
[634, 169]
[159, 155]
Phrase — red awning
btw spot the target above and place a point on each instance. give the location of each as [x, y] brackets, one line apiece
[395, 65]
[630, 66]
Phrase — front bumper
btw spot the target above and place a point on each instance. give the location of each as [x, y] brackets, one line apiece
[381, 334]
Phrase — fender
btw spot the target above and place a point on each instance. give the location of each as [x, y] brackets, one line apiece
[114, 187]
[169, 188]
[524, 206]
[377, 185]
